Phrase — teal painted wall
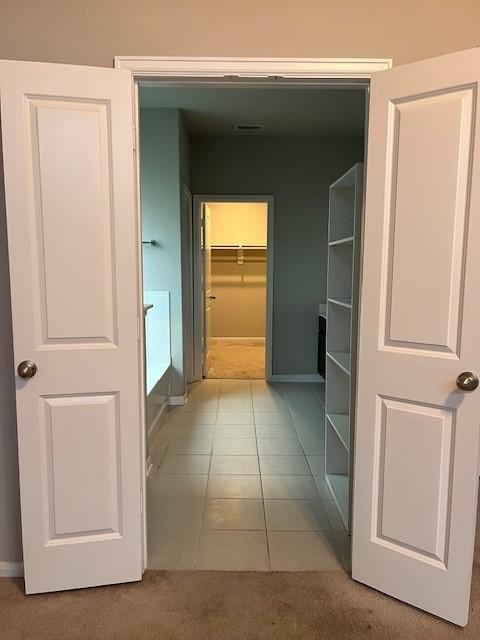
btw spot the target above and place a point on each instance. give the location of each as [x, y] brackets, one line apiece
[163, 158]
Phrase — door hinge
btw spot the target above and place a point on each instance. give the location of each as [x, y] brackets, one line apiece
[138, 328]
[141, 502]
[134, 133]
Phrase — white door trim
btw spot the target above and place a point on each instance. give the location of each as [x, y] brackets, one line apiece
[228, 70]
[187, 284]
[141, 325]
[198, 200]
[151, 67]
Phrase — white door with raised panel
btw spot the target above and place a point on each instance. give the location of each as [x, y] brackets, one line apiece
[72, 234]
[417, 432]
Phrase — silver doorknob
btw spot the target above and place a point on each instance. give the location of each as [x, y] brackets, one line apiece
[27, 369]
[467, 381]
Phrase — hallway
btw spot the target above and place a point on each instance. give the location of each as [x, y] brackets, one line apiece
[238, 482]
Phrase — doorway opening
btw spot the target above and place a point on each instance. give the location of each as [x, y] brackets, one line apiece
[250, 464]
[236, 261]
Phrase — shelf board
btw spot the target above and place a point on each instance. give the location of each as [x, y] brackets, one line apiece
[339, 487]
[342, 241]
[341, 359]
[347, 181]
[341, 425]
[341, 302]
[230, 247]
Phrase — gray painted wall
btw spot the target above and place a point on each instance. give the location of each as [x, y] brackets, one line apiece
[163, 157]
[10, 534]
[297, 171]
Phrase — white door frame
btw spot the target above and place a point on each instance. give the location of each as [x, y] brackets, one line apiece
[198, 201]
[187, 283]
[232, 68]
[167, 70]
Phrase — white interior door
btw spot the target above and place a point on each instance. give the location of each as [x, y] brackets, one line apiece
[69, 186]
[417, 434]
[207, 285]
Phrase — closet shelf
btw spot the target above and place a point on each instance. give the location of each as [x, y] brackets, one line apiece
[347, 181]
[239, 246]
[341, 302]
[342, 241]
[345, 204]
[341, 359]
[341, 425]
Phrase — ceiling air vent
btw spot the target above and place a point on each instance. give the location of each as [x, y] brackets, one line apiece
[248, 127]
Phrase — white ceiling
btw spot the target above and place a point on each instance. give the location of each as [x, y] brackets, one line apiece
[303, 111]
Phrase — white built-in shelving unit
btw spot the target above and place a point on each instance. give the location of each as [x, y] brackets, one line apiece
[346, 197]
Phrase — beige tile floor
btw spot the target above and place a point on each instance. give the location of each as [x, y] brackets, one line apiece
[237, 482]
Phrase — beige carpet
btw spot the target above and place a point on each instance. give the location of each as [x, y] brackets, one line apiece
[224, 606]
[231, 359]
[213, 605]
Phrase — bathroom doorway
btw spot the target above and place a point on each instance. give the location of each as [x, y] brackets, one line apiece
[234, 286]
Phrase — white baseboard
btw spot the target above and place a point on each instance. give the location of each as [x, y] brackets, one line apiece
[177, 400]
[257, 339]
[11, 569]
[155, 426]
[297, 377]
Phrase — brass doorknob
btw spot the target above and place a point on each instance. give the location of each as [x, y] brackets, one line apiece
[27, 369]
[467, 381]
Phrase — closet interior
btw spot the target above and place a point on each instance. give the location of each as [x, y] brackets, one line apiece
[237, 298]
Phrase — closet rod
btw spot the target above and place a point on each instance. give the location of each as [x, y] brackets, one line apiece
[239, 246]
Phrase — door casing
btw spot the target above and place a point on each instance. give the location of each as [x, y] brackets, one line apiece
[198, 201]
[245, 73]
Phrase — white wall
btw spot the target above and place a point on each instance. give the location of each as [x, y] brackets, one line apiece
[297, 172]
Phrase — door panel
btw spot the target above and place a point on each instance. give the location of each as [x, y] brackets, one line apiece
[417, 435]
[429, 172]
[409, 490]
[81, 441]
[73, 250]
[72, 200]
[71, 189]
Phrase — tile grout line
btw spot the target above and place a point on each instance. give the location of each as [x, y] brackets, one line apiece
[301, 443]
[269, 559]
[332, 529]
[197, 545]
